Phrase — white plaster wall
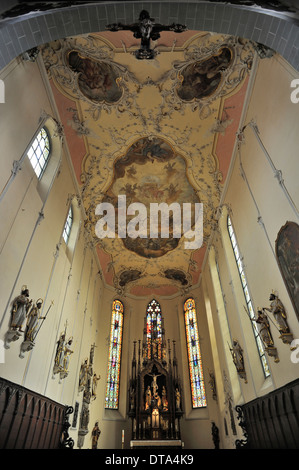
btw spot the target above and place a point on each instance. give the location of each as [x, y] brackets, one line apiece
[71, 281]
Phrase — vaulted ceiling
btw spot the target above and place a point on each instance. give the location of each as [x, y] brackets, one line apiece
[160, 130]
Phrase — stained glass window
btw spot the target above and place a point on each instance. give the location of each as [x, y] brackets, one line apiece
[247, 296]
[153, 330]
[68, 225]
[113, 374]
[198, 393]
[39, 152]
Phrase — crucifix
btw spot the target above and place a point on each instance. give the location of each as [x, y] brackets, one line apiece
[146, 29]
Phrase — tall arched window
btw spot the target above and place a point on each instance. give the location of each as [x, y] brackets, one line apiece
[68, 225]
[247, 295]
[153, 330]
[113, 374]
[39, 152]
[198, 393]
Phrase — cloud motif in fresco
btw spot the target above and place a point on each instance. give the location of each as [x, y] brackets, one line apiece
[202, 78]
[97, 80]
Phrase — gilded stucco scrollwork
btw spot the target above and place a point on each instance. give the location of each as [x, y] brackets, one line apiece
[140, 130]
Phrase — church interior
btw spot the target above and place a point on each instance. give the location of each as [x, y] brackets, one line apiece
[116, 333]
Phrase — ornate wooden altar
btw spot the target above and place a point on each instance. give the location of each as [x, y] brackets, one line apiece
[155, 405]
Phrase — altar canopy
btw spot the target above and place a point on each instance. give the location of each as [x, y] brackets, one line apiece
[155, 405]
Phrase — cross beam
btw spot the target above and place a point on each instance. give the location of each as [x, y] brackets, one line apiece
[146, 29]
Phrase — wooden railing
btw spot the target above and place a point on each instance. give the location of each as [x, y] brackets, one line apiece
[31, 421]
[271, 421]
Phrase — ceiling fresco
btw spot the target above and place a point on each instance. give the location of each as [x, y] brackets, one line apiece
[154, 131]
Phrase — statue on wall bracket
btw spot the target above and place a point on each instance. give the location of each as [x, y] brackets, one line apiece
[95, 434]
[87, 383]
[147, 30]
[26, 321]
[279, 313]
[62, 356]
[33, 326]
[265, 333]
[238, 359]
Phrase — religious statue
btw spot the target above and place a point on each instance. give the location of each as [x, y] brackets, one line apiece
[33, 320]
[265, 333]
[132, 399]
[95, 434]
[237, 355]
[94, 385]
[215, 435]
[279, 313]
[177, 399]
[212, 383]
[33, 325]
[148, 397]
[164, 399]
[59, 353]
[20, 308]
[88, 382]
[154, 383]
[157, 399]
[66, 359]
[146, 29]
[62, 356]
[83, 375]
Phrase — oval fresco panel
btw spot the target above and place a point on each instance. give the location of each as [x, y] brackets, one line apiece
[201, 79]
[98, 81]
[151, 172]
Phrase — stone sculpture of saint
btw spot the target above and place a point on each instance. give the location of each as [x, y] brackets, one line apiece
[164, 399]
[237, 355]
[177, 399]
[83, 375]
[148, 398]
[264, 328]
[279, 313]
[33, 319]
[94, 385]
[95, 434]
[67, 352]
[20, 308]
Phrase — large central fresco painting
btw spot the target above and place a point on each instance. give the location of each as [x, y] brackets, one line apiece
[151, 172]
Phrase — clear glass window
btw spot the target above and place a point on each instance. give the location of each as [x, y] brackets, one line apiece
[68, 226]
[39, 152]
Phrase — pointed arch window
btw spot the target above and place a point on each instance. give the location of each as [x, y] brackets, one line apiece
[68, 225]
[39, 152]
[198, 393]
[114, 358]
[154, 331]
[247, 296]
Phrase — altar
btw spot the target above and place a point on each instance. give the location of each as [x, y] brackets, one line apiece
[153, 444]
[155, 405]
